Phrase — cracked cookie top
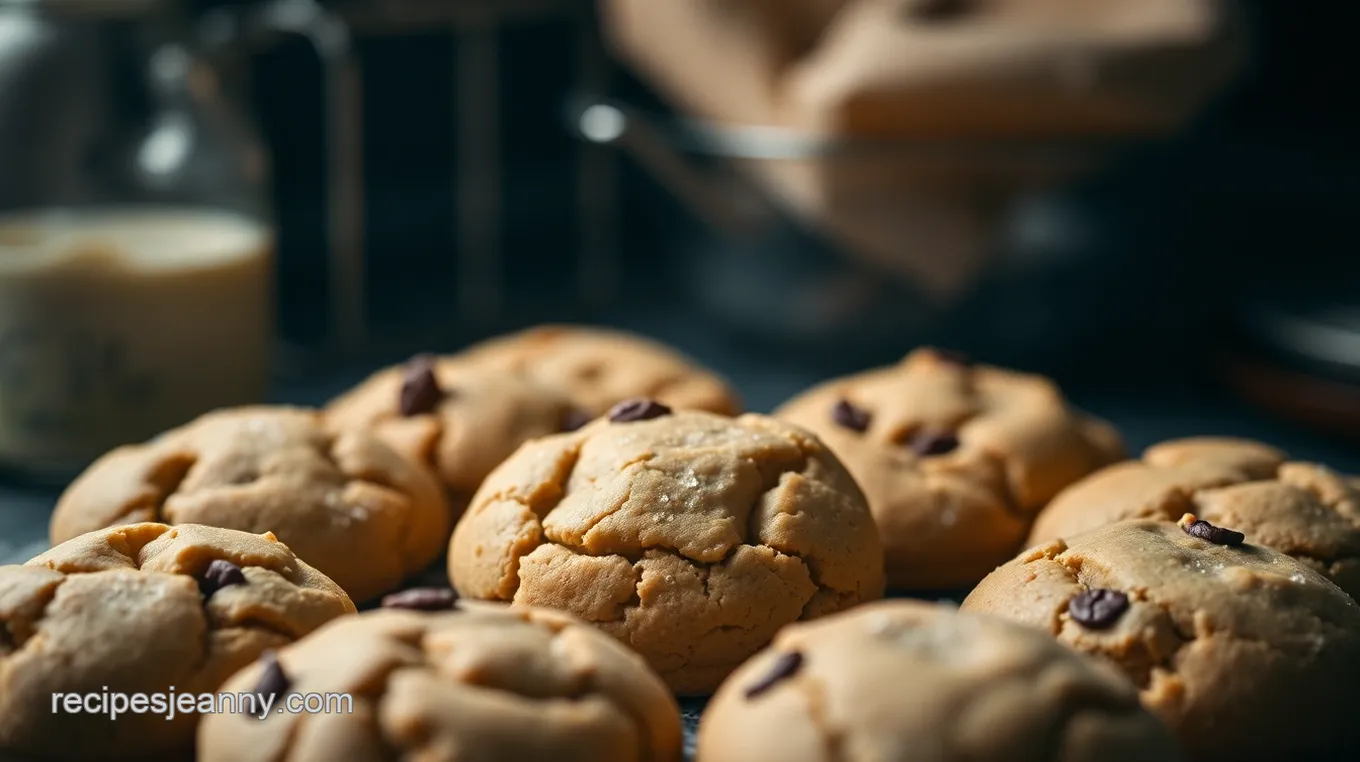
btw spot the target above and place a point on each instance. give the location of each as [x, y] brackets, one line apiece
[955, 458]
[485, 683]
[144, 608]
[345, 502]
[1303, 509]
[1241, 649]
[597, 368]
[690, 536]
[908, 680]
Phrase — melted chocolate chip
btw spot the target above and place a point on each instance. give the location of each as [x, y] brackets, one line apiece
[846, 415]
[273, 680]
[220, 574]
[420, 391]
[637, 410]
[1217, 535]
[422, 599]
[1098, 608]
[786, 666]
[936, 10]
[575, 418]
[928, 443]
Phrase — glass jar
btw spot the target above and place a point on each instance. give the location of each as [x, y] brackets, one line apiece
[135, 243]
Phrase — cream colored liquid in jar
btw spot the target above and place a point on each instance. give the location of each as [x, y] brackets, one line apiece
[116, 324]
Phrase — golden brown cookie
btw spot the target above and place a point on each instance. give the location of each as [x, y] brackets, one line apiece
[1303, 509]
[1016, 68]
[345, 502]
[903, 680]
[597, 368]
[690, 536]
[955, 458]
[144, 608]
[1246, 653]
[458, 417]
[488, 684]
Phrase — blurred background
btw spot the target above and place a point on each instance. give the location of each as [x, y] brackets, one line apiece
[1158, 207]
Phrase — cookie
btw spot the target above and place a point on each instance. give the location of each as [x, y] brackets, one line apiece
[1246, 653]
[488, 683]
[459, 418]
[597, 368]
[1303, 509]
[1012, 69]
[906, 681]
[345, 502]
[690, 536]
[144, 608]
[955, 458]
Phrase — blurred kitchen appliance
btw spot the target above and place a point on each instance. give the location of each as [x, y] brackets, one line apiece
[135, 233]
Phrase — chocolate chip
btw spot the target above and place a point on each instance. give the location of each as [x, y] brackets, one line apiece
[637, 410]
[1098, 608]
[420, 390]
[422, 599]
[575, 418]
[220, 574]
[928, 443]
[786, 666]
[936, 10]
[1217, 535]
[847, 415]
[273, 680]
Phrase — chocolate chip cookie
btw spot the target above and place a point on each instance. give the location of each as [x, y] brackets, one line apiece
[489, 683]
[597, 368]
[955, 458]
[1246, 653]
[1303, 509]
[149, 609]
[690, 536]
[460, 418]
[906, 681]
[345, 502]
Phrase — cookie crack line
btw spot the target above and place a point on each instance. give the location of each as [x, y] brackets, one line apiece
[404, 538]
[1010, 502]
[750, 532]
[180, 465]
[1166, 664]
[19, 644]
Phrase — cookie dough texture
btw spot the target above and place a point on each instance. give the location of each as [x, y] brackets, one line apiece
[691, 537]
[120, 610]
[489, 684]
[1303, 509]
[345, 502]
[946, 520]
[597, 368]
[914, 681]
[484, 415]
[1246, 653]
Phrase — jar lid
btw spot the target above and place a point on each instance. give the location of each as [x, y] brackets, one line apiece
[92, 8]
